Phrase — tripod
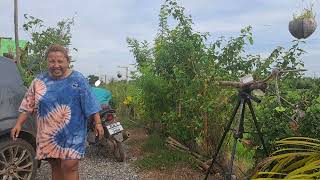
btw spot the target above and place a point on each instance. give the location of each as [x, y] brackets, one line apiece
[244, 98]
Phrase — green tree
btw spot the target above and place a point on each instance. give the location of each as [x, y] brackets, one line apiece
[92, 79]
[178, 76]
[33, 59]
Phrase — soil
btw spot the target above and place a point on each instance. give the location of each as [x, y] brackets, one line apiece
[137, 137]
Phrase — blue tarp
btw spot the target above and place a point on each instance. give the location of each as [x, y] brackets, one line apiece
[102, 95]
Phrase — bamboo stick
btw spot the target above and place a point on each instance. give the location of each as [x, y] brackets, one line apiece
[176, 143]
[197, 157]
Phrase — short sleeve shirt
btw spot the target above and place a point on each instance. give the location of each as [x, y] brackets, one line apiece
[61, 108]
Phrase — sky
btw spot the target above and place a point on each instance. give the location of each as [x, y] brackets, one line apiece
[102, 26]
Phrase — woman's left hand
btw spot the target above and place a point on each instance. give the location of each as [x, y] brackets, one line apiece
[99, 130]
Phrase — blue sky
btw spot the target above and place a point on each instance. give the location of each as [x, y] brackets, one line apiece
[101, 27]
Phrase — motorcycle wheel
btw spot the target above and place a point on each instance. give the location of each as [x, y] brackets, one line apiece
[119, 152]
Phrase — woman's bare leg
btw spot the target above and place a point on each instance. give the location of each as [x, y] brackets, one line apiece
[56, 172]
[70, 169]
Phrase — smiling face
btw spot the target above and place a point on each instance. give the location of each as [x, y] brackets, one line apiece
[58, 64]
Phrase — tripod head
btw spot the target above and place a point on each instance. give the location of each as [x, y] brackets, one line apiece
[257, 84]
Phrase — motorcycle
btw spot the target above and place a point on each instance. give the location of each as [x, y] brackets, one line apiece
[114, 134]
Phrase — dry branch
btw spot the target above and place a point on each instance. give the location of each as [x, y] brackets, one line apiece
[174, 144]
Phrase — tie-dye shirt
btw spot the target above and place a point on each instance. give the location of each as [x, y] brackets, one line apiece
[61, 108]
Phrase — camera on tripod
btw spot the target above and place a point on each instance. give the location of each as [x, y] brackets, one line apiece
[246, 86]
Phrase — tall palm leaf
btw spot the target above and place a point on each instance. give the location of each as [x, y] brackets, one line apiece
[296, 158]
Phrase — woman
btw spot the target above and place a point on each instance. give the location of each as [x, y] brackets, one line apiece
[61, 101]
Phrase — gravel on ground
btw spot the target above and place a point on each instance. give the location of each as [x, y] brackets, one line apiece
[96, 166]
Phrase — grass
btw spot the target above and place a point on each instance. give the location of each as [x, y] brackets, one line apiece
[158, 156]
[127, 123]
[307, 12]
[245, 157]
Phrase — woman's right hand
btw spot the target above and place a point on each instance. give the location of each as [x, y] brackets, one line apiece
[17, 128]
[15, 131]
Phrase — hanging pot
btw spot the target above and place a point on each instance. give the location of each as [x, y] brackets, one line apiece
[302, 28]
[119, 75]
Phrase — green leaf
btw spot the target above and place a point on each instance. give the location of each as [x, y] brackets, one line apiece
[280, 109]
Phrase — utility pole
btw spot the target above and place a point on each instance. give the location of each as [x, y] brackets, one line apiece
[16, 36]
[127, 71]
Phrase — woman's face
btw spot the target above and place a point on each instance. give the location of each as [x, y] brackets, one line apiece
[58, 65]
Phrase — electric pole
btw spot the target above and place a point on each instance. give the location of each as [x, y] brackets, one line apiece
[127, 71]
[16, 36]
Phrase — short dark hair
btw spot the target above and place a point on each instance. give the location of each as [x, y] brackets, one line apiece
[58, 48]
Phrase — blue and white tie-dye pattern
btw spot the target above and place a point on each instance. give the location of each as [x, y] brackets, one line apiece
[61, 108]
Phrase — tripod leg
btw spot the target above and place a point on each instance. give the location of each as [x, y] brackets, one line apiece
[257, 127]
[238, 135]
[223, 136]
[233, 154]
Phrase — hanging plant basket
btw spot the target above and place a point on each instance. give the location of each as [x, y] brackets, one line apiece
[303, 25]
[302, 28]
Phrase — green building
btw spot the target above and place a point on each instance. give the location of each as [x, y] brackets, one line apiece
[7, 45]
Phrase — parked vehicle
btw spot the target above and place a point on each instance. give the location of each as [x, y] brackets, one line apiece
[114, 134]
[17, 158]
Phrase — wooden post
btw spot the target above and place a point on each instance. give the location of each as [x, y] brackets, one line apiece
[206, 136]
[278, 90]
[179, 108]
[205, 121]
[16, 31]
